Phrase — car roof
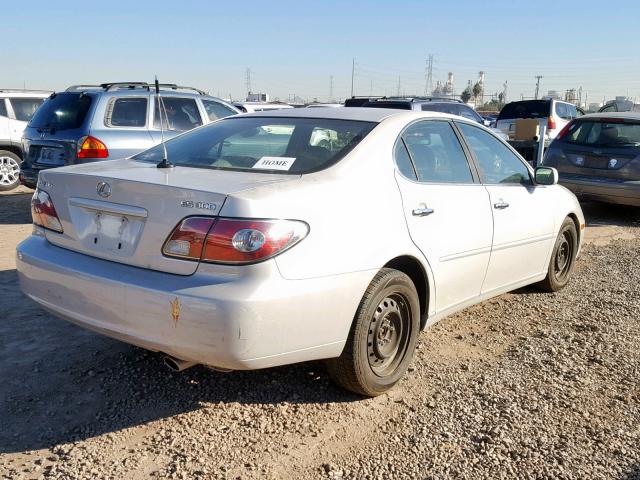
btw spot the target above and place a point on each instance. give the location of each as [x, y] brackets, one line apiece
[9, 93]
[364, 114]
[629, 115]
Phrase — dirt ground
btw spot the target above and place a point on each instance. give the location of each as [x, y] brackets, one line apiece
[74, 404]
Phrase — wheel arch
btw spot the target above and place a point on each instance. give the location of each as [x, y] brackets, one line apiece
[413, 268]
[576, 222]
[12, 149]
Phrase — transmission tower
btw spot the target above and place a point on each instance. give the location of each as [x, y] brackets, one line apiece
[248, 81]
[538, 78]
[331, 88]
[428, 86]
[398, 91]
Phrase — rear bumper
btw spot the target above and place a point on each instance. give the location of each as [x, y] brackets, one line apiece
[223, 319]
[603, 190]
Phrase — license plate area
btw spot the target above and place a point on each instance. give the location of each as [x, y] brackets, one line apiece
[106, 233]
[50, 156]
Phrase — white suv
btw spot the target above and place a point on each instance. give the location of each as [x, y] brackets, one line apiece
[16, 109]
[554, 114]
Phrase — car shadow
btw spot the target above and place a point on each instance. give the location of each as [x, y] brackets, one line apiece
[603, 214]
[15, 209]
[62, 383]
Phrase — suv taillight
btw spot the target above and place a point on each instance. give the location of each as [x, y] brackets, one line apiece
[91, 147]
[551, 124]
[564, 130]
[231, 240]
[43, 212]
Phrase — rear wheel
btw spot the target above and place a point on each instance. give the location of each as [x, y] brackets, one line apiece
[9, 170]
[562, 258]
[383, 336]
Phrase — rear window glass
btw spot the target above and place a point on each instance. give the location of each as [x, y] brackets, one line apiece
[64, 111]
[525, 109]
[127, 112]
[604, 133]
[179, 114]
[397, 105]
[25, 108]
[282, 145]
[453, 109]
[3, 108]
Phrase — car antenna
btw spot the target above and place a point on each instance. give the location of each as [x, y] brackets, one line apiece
[165, 163]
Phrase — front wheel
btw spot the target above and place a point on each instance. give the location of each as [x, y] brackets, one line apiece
[9, 170]
[383, 336]
[562, 258]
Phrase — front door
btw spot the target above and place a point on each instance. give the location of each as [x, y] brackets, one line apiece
[522, 212]
[447, 210]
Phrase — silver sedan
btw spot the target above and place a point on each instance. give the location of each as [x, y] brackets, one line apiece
[287, 236]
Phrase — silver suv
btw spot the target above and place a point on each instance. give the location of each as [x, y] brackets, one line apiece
[16, 109]
[89, 123]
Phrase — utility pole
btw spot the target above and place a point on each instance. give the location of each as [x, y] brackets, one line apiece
[371, 88]
[331, 88]
[538, 78]
[248, 81]
[428, 86]
[398, 91]
[353, 72]
[504, 92]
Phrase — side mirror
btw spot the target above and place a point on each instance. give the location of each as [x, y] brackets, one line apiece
[486, 123]
[546, 176]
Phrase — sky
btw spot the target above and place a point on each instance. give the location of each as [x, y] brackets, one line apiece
[308, 48]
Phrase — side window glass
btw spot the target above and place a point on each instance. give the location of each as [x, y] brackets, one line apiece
[25, 108]
[403, 160]
[3, 108]
[609, 108]
[437, 154]
[572, 111]
[216, 110]
[127, 112]
[498, 164]
[561, 111]
[179, 114]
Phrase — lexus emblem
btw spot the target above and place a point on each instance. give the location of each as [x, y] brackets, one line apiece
[103, 189]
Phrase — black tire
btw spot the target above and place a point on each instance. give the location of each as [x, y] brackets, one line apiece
[383, 336]
[9, 170]
[563, 258]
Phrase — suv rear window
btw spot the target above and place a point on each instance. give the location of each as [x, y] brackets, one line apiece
[525, 109]
[604, 133]
[271, 144]
[63, 111]
[25, 108]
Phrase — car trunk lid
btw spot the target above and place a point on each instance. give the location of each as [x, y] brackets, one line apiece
[124, 210]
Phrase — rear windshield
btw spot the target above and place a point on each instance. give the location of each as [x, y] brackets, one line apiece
[453, 109]
[604, 133]
[273, 144]
[25, 108]
[62, 111]
[397, 105]
[525, 109]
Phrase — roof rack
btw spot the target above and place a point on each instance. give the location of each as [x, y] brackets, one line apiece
[132, 85]
[423, 99]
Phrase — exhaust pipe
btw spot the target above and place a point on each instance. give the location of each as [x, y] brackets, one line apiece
[176, 364]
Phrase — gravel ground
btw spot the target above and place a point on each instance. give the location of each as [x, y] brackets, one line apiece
[527, 385]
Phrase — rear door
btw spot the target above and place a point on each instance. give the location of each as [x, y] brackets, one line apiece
[446, 208]
[523, 224]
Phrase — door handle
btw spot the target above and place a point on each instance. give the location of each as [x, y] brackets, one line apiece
[422, 211]
[500, 205]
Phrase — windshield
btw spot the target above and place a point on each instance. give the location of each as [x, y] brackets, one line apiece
[62, 111]
[525, 109]
[453, 109]
[604, 133]
[285, 145]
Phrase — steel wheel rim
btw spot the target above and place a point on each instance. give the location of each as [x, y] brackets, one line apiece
[564, 256]
[9, 171]
[388, 337]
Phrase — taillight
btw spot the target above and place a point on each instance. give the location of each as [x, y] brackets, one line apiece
[91, 147]
[551, 124]
[43, 211]
[565, 130]
[232, 241]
